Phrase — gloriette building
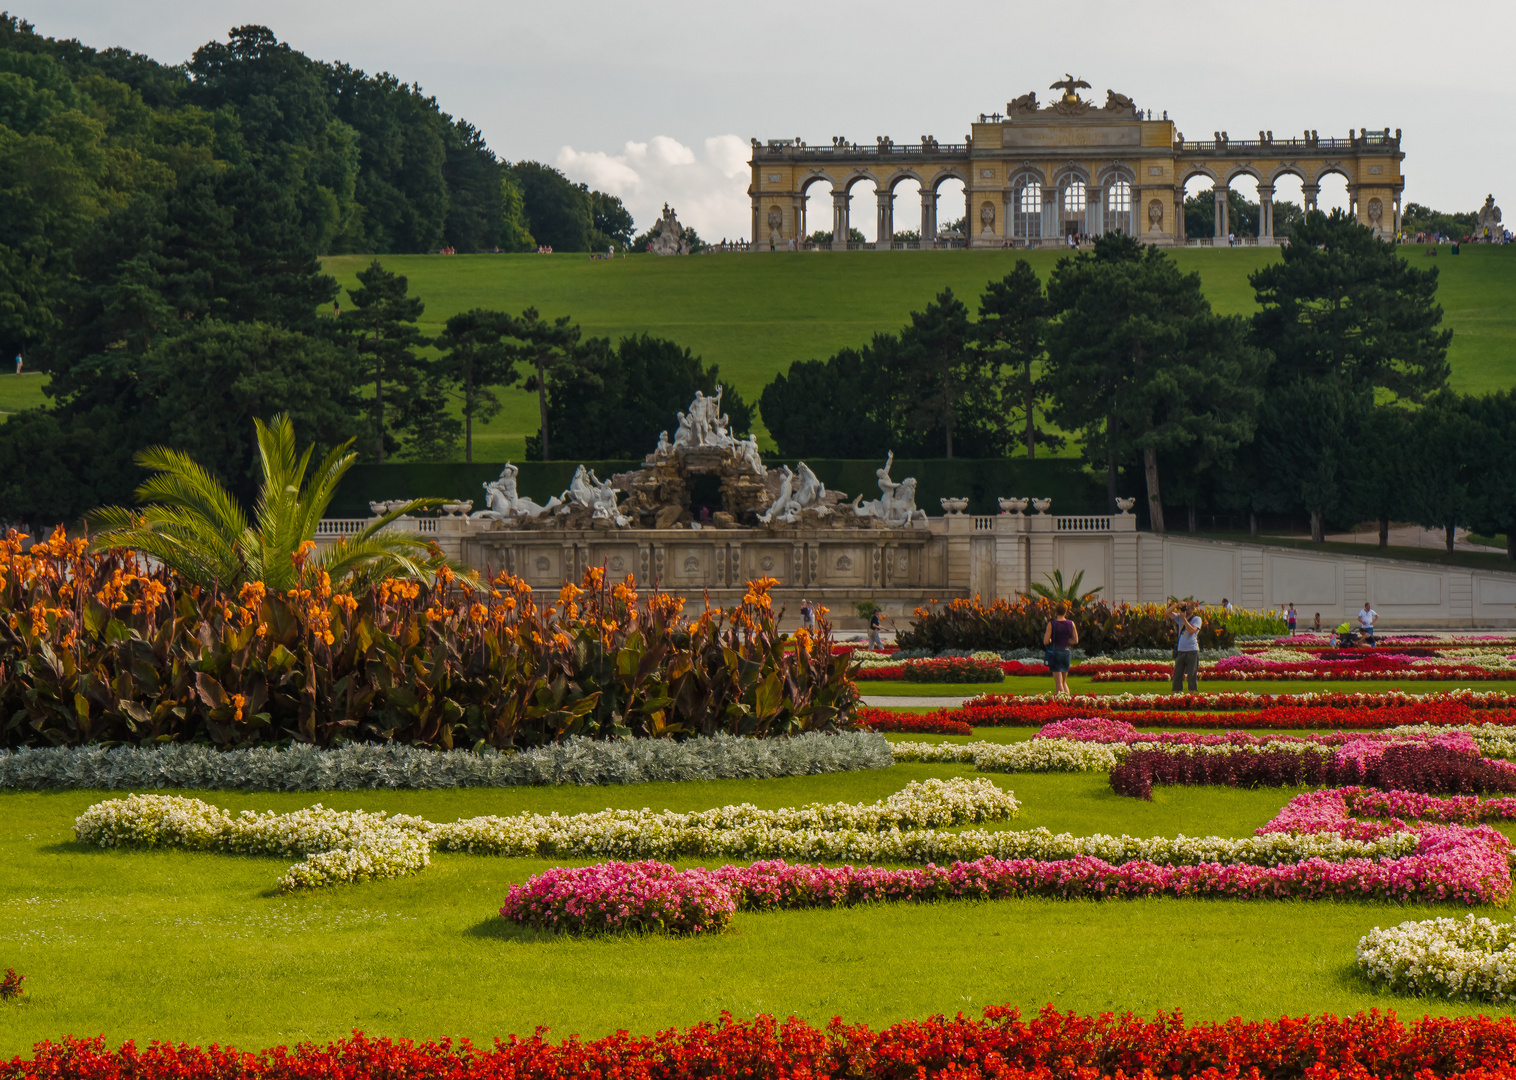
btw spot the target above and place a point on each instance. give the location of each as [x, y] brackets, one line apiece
[1039, 172]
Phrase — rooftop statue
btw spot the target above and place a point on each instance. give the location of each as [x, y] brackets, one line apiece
[705, 424]
[1489, 219]
[896, 505]
[1070, 87]
[503, 502]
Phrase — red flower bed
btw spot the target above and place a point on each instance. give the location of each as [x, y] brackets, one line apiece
[1229, 699]
[1274, 717]
[1306, 672]
[917, 723]
[1001, 1044]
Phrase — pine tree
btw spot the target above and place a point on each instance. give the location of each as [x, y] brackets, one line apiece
[382, 326]
[1012, 322]
[476, 359]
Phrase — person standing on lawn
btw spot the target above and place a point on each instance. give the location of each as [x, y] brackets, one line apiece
[1187, 651]
[1366, 620]
[1289, 617]
[1058, 638]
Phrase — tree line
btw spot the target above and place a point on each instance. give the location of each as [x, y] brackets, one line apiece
[98, 145]
[1332, 400]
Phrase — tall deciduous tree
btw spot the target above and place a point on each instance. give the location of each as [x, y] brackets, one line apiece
[382, 326]
[826, 408]
[1308, 432]
[1343, 305]
[1441, 473]
[1494, 490]
[1013, 315]
[555, 354]
[1137, 361]
[476, 359]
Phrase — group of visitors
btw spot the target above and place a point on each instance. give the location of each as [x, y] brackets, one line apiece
[544, 249]
[1061, 635]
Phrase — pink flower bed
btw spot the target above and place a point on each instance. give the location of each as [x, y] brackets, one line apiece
[1362, 747]
[617, 896]
[1452, 862]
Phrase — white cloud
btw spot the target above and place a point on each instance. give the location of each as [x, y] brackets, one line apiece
[708, 189]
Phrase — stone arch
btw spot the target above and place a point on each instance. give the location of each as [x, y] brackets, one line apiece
[1119, 208]
[858, 176]
[1186, 173]
[1071, 200]
[808, 220]
[1242, 170]
[1331, 168]
[1116, 170]
[944, 174]
[1288, 169]
[898, 177]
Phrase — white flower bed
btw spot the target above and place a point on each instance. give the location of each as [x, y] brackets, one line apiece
[1071, 755]
[1493, 740]
[389, 765]
[905, 828]
[1468, 957]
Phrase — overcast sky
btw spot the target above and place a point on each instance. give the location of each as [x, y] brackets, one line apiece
[656, 101]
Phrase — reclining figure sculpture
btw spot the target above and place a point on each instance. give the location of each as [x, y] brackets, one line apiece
[502, 501]
[896, 505]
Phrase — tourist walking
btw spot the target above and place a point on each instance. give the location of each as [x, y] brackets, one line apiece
[807, 616]
[1317, 627]
[1366, 620]
[1187, 650]
[1289, 618]
[874, 621]
[1058, 638]
[18, 363]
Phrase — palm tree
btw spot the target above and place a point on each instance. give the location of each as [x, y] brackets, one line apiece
[193, 525]
[1055, 589]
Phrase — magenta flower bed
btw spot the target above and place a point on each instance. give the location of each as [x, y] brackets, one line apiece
[617, 897]
[1454, 863]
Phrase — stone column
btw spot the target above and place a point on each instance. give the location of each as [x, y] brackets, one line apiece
[1094, 210]
[797, 219]
[1007, 221]
[1309, 192]
[1220, 203]
[928, 217]
[759, 228]
[1178, 212]
[884, 237]
[1266, 215]
[840, 224]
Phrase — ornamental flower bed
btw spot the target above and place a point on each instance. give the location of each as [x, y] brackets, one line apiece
[102, 649]
[942, 670]
[619, 897]
[1467, 958]
[1001, 1043]
[1417, 862]
[914, 723]
[1019, 624]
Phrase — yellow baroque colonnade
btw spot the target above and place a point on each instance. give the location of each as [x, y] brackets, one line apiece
[1035, 174]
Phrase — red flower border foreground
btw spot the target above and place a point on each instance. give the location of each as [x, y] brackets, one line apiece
[1000, 1044]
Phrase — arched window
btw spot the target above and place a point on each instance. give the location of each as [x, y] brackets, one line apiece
[1027, 210]
[1073, 201]
[1118, 207]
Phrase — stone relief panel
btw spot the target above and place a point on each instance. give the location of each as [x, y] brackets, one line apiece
[1404, 587]
[542, 565]
[619, 560]
[691, 564]
[1303, 582]
[843, 564]
[769, 560]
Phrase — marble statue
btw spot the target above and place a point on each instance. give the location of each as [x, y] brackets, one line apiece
[791, 499]
[705, 424]
[664, 447]
[588, 490]
[747, 453]
[896, 505]
[502, 501]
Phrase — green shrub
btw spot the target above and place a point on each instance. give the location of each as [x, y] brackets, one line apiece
[1019, 624]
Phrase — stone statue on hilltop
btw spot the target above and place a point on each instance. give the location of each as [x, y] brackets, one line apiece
[1489, 222]
[503, 502]
[747, 453]
[670, 239]
[896, 505]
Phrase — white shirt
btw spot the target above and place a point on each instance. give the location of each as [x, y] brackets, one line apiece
[1366, 618]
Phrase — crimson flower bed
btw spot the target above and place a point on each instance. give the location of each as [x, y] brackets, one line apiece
[1002, 1043]
[917, 723]
[1433, 770]
[949, 669]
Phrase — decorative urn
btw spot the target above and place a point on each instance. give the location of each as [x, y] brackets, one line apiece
[1125, 505]
[954, 506]
[1041, 505]
[1013, 506]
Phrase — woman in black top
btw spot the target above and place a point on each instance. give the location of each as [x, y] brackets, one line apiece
[1060, 635]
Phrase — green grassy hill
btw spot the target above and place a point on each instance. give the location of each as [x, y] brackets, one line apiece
[754, 315]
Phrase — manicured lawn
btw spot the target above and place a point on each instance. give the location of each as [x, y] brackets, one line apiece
[756, 315]
[174, 945]
[1083, 684]
[19, 392]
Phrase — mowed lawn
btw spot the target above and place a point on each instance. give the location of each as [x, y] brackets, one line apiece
[755, 315]
[198, 947]
[1083, 684]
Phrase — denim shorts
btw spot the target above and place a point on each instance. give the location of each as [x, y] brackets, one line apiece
[1060, 658]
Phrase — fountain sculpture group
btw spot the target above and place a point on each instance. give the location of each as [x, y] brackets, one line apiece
[659, 495]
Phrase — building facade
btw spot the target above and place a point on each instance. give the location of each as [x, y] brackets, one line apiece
[1038, 173]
